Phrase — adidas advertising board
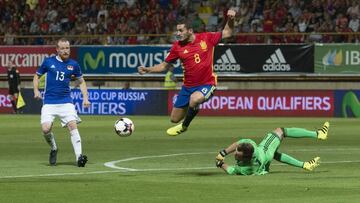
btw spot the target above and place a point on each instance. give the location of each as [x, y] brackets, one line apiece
[264, 58]
[226, 62]
[276, 63]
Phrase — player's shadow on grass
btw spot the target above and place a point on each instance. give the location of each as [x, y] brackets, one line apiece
[198, 173]
[68, 163]
[298, 172]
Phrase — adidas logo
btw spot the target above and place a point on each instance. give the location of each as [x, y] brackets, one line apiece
[276, 62]
[227, 62]
[52, 66]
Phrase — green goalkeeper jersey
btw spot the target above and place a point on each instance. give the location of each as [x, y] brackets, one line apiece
[262, 156]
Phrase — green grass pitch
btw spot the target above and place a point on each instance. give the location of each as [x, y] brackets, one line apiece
[150, 166]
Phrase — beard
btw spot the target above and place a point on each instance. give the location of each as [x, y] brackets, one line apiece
[64, 55]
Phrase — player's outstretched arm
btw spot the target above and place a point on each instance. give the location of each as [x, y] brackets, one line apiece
[228, 29]
[154, 69]
[37, 94]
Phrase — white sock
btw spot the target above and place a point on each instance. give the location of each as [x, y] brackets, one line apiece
[76, 142]
[49, 138]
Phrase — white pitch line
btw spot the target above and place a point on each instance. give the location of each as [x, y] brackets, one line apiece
[112, 164]
[119, 169]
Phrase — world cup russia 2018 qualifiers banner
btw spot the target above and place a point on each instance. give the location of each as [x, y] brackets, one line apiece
[103, 102]
[307, 103]
[264, 58]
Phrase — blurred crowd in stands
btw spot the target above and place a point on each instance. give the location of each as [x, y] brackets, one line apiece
[27, 22]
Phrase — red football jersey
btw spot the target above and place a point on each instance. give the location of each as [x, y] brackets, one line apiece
[196, 58]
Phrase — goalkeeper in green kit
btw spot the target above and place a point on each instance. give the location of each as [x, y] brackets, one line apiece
[252, 159]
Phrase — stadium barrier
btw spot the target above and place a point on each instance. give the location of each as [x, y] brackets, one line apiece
[333, 62]
[235, 59]
[264, 103]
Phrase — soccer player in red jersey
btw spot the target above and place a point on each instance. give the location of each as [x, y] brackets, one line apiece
[196, 52]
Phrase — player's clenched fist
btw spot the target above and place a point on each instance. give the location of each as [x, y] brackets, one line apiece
[221, 155]
[37, 94]
[142, 70]
[219, 163]
[231, 14]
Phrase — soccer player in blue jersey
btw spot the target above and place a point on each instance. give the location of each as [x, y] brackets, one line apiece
[252, 159]
[57, 101]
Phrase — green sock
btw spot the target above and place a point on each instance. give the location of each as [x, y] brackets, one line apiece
[299, 132]
[287, 159]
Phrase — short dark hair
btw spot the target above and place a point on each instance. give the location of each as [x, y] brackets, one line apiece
[247, 149]
[63, 39]
[187, 22]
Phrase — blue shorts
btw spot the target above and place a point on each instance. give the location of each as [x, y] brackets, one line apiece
[183, 96]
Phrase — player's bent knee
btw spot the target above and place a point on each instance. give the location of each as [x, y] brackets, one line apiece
[46, 130]
[72, 125]
[279, 132]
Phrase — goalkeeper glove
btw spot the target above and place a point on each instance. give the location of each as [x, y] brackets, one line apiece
[221, 155]
[219, 163]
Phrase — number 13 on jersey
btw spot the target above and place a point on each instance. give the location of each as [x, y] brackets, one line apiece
[60, 75]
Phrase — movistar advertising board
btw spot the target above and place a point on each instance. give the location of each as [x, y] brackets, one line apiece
[347, 103]
[121, 59]
[337, 58]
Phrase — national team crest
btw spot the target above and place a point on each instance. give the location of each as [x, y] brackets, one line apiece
[203, 45]
[70, 67]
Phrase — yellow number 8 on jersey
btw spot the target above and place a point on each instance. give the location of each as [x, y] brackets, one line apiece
[197, 58]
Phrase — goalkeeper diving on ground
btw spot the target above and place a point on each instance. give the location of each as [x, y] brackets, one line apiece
[252, 159]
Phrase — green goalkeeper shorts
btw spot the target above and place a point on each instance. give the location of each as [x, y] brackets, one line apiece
[268, 147]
